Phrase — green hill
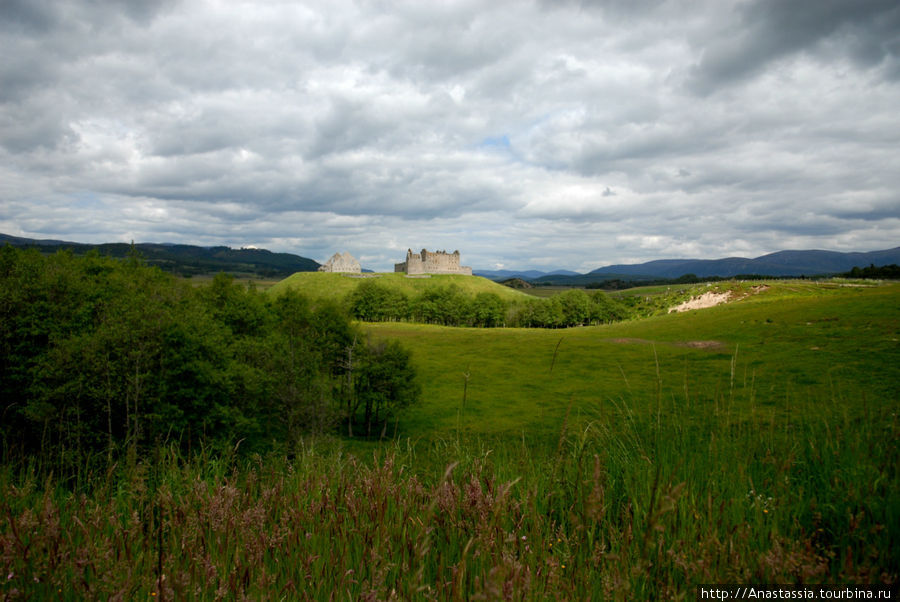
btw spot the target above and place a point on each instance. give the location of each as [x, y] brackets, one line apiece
[324, 285]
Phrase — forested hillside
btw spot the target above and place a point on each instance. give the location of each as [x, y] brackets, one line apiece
[184, 260]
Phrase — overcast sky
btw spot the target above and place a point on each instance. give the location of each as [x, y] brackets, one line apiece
[525, 134]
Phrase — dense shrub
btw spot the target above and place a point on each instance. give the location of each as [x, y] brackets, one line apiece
[372, 301]
[449, 305]
[100, 356]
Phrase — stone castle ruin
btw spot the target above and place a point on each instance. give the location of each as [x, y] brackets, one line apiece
[426, 262]
[341, 262]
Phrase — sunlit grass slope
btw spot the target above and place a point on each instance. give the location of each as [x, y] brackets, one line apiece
[322, 285]
[794, 347]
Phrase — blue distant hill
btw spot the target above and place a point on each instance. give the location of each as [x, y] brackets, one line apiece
[782, 263]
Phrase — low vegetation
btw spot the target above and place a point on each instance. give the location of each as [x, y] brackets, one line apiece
[751, 442]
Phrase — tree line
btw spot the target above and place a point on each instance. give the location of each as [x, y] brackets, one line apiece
[885, 272]
[450, 306]
[100, 357]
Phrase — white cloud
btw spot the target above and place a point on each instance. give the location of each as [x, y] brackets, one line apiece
[555, 135]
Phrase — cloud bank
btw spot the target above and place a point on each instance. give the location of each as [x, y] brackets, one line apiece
[528, 134]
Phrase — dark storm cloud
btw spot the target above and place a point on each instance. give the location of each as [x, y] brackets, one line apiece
[28, 16]
[866, 31]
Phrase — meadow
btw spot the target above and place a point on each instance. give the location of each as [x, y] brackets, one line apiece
[781, 344]
[753, 442]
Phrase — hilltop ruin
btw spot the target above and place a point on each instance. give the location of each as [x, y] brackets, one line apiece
[427, 262]
[341, 262]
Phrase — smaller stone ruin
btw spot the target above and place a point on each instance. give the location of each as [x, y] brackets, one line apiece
[341, 262]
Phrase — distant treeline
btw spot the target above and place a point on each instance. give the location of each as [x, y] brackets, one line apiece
[885, 272]
[620, 284]
[100, 356]
[450, 306]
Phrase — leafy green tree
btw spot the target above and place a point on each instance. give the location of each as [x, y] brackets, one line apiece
[372, 301]
[488, 310]
[574, 306]
[333, 332]
[241, 309]
[301, 390]
[541, 313]
[386, 383]
[446, 305]
[604, 309]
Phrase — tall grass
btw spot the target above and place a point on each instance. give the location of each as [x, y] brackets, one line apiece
[625, 505]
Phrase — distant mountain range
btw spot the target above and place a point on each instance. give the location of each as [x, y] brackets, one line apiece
[782, 263]
[190, 260]
[186, 260]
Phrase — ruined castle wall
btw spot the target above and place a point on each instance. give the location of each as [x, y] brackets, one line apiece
[427, 262]
[412, 265]
[341, 262]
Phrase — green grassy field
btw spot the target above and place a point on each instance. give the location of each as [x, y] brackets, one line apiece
[753, 442]
[319, 285]
[791, 344]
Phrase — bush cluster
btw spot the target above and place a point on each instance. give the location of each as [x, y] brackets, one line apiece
[99, 355]
[449, 305]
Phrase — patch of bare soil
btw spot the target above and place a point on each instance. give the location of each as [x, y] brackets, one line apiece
[703, 344]
[712, 298]
[705, 300]
[691, 344]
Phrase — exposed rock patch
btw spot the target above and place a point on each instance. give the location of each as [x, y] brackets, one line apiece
[705, 300]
